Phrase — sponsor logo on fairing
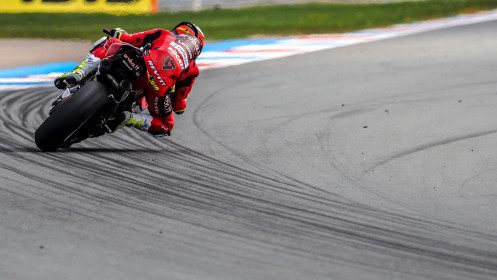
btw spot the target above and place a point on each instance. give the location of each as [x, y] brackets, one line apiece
[130, 63]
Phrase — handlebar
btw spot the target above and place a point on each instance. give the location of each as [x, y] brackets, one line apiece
[147, 46]
[108, 31]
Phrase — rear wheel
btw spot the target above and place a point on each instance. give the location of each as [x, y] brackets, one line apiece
[71, 115]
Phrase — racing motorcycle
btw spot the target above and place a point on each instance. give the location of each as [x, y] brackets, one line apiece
[87, 109]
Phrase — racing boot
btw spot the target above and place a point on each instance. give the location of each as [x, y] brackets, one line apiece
[88, 66]
[139, 121]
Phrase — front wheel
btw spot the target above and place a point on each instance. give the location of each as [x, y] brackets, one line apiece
[70, 116]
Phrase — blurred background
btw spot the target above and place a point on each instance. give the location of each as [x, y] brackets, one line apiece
[224, 4]
[72, 21]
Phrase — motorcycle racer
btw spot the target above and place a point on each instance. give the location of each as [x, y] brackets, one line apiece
[172, 72]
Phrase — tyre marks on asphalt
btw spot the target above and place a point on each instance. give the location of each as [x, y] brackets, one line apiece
[120, 180]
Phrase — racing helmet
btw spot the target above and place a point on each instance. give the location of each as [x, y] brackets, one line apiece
[187, 27]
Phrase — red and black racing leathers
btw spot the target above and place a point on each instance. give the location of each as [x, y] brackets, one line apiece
[172, 72]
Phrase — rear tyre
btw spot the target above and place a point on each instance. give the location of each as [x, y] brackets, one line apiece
[71, 115]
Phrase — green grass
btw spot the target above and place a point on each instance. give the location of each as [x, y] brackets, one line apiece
[219, 24]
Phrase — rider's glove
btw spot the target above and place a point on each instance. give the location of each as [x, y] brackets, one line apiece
[117, 32]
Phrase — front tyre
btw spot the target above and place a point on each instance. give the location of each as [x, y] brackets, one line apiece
[70, 116]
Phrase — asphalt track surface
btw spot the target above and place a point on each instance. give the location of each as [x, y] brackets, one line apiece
[373, 161]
